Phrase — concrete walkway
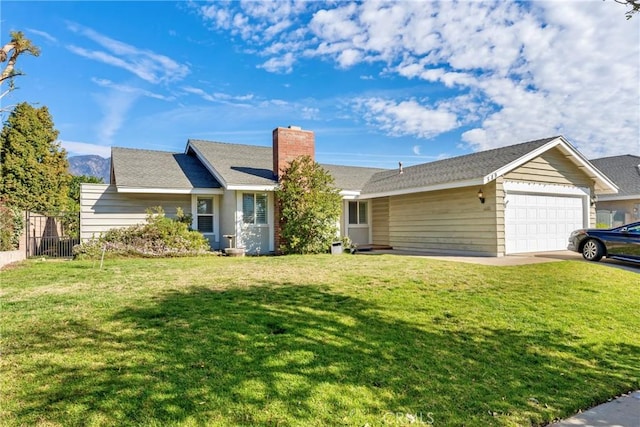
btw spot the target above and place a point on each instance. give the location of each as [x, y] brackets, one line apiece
[621, 412]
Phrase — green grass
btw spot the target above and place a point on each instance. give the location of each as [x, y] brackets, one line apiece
[313, 340]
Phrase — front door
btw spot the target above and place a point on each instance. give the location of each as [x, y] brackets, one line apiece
[357, 221]
[255, 225]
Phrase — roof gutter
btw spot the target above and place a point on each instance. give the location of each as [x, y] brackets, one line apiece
[249, 187]
[443, 186]
[611, 198]
[159, 190]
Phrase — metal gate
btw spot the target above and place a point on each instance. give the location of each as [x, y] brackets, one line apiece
[52, 235]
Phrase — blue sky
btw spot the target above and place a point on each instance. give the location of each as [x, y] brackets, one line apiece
[377, 82]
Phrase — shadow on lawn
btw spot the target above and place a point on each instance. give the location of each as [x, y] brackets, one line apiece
[282, 355]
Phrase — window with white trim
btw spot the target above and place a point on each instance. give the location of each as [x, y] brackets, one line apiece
[254, 208]
[358, 213]
[205, 214]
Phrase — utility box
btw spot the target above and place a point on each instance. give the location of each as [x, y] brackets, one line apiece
[336, 248]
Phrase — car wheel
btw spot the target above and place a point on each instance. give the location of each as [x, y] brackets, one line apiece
[592, 250]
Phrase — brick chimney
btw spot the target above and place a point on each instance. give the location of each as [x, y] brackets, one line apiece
[290, 143]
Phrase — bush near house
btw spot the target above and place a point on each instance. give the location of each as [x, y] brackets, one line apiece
[11, 226]
[309, 208]
[158, 237]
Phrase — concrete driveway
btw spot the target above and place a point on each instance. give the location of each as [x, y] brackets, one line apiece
[518, 259]
[621, 412]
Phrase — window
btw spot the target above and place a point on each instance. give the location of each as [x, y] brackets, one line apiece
[358, 212]
[254, 208]
[205, 215]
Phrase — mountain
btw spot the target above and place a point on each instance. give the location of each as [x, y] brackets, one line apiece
[90, 165]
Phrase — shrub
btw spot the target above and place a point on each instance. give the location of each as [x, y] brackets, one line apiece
[183, 217]
[309, 206]
[158, 237]
[11, 227]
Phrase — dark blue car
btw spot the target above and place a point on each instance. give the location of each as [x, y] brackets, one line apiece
[622, 243]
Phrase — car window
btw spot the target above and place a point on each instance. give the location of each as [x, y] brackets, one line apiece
[635, 229]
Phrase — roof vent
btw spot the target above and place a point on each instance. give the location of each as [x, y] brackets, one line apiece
[400, 170]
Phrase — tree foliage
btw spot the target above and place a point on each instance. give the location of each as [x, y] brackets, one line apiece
[74, 188]
[10, 52]
[11, 227]
[33, 166]
[309, 207]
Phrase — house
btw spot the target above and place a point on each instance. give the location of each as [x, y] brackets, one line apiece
[522, 198]
[623, 207]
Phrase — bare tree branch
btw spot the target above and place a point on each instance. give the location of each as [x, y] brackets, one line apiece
[10, 52]
[634, 7]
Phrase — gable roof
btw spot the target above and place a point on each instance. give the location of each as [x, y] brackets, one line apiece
[216, 165]
[136, 170]
[458, 171]
[624, 171]
[239, 166]
[477, 169]
[236, 166]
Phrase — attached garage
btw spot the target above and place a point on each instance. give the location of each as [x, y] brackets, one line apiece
[541, 222]
[523, 198]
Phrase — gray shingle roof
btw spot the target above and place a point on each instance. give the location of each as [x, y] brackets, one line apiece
[351, 178]
[462, 168]
[624, 171]
[159, 169]
[238, 164]
[251, 165]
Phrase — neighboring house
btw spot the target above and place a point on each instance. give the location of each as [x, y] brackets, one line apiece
[624, 207]
[522, 198]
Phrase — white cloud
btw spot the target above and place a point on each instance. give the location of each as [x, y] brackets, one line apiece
[416, 150]
[407, 117]
[219, 96]
[43, 34]
[283, 64]
[310, 113]
[147, 65]
[349, 57]
[131, 89]
[527, 69]
[115, 105]
[84, 148]
[274, 27]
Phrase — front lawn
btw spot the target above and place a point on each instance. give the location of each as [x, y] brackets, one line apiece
[313, 341]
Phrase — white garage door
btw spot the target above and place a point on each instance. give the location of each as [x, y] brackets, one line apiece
[540, 222]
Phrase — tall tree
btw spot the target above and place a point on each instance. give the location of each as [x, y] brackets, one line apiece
[33, 166]
[309, 207]
[10, 52]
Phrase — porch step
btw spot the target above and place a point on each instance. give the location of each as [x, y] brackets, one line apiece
[367, 248]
